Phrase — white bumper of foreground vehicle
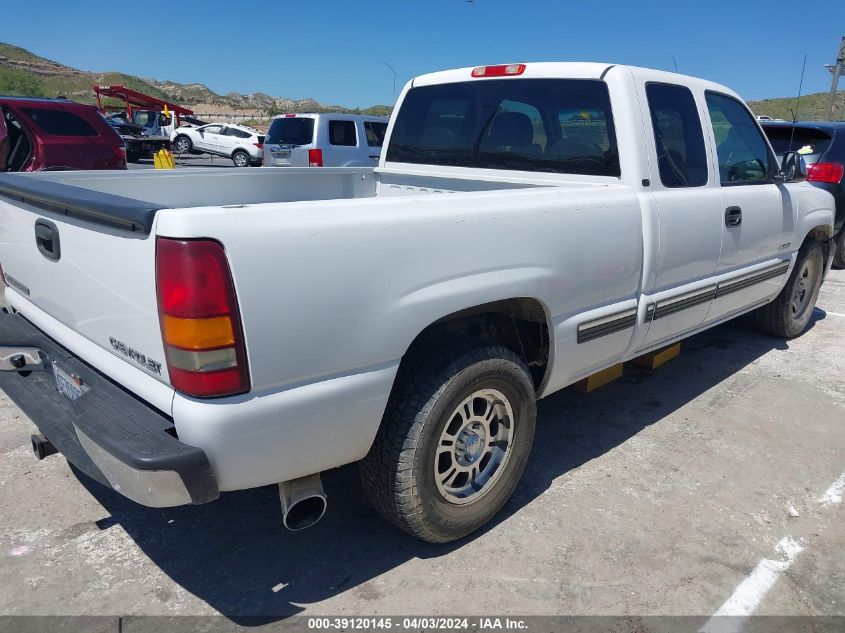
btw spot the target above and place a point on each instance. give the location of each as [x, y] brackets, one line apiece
[253, 440]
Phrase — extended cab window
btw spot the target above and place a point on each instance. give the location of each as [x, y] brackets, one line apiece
[375, 133]
[741, 148]
[681, 157]
[59, 122]
[548, 125]
[342, 133]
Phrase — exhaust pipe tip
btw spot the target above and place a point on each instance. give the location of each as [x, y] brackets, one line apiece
[305, 513]
[42, 447]
[303, 502]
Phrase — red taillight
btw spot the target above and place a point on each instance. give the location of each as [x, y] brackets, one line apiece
[315, 158]
[200, 324]
[120, 150]
[259, 145]
[504, 70]
[825, 172]
[290, 116]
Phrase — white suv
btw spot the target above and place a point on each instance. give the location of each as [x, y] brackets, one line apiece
[244, 145]
[324, 140]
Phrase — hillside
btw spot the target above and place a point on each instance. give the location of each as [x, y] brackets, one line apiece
[23, 73]
[812, 107]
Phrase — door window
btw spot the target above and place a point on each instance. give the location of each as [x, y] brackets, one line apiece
[342, 133]
[236, 133]
[375, 133]
[678, 139]
[59, 123]
[744, 156]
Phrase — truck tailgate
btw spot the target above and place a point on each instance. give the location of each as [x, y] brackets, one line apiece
[87, 260]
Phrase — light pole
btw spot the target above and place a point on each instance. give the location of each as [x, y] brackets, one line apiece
[394, 78]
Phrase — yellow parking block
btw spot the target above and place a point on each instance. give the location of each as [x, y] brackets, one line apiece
[655, 359]
[599, 379]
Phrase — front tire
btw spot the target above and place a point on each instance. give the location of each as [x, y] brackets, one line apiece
[453, 443]
[182, 145]
[788, 315]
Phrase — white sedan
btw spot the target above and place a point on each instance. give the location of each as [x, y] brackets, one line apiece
[244, 145]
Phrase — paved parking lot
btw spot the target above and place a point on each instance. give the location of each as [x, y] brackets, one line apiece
[715, 482]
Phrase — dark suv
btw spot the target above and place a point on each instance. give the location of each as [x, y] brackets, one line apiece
[41, 134]
[822, 144]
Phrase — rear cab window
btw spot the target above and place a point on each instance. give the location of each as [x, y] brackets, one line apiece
[342, 133]
[291, 131]
[59, 122]
[547, 125]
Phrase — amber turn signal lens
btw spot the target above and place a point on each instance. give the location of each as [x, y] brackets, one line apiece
[198, 334]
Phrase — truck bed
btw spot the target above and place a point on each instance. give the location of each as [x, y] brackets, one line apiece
[131, 199]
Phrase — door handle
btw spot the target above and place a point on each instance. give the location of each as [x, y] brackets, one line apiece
[47, 239]
[733, 216]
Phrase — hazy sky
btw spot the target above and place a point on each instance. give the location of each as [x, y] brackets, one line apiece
[335, 51]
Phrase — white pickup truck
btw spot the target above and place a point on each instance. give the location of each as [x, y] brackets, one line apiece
[178, 334]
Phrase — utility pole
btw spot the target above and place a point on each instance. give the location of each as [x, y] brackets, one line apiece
[837, 71]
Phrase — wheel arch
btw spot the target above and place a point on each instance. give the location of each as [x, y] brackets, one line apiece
[821, 233]
[522, 324]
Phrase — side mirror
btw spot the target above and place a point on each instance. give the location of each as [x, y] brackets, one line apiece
[164, 119]
[793, 168]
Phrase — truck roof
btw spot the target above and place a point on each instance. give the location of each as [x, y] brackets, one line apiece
[570, 70]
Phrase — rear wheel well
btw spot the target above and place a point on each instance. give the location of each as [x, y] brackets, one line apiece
[520, 324]
[820, 234]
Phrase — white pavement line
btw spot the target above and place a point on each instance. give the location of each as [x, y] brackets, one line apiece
[834, 494]
[751, 591]
[745, 599]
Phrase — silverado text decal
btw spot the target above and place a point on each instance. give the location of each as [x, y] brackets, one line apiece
[136, 356]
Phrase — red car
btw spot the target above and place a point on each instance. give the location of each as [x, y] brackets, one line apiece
[47, 134]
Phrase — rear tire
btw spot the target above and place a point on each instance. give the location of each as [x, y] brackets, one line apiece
[454, 441]
[839, 258]
[241, 159]
[788, 315]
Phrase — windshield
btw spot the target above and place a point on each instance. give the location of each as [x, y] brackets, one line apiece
[548, 125]
[809, 142]
[291, 131]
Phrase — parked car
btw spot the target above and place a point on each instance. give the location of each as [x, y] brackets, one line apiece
[56, 134]
[244, 145]
[822, 145]
[139, 144]
[528, 225]
[324, 140]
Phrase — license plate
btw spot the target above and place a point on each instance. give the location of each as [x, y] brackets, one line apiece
[281, 156]
[70, 386]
